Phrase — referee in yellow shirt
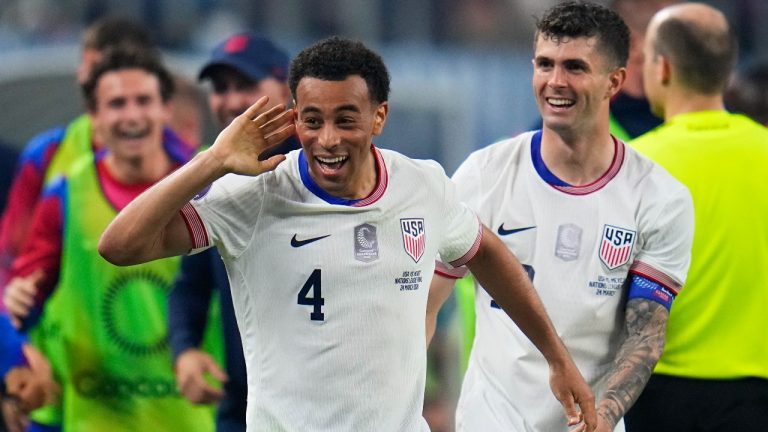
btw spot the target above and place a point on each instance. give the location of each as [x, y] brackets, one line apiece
[713, 374]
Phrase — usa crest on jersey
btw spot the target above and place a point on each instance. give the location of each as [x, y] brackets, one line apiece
[616, 246]
[414, 237]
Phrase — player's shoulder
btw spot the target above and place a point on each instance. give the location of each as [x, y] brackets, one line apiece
[502, 155]
[41, 145]
[653, 179]
[505, 147]
[399, 164]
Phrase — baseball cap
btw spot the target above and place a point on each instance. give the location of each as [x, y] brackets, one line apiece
[251, 54]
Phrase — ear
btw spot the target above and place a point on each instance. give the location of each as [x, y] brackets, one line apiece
[286, 93]
[615, 80]
[664, 71]
[380, 117]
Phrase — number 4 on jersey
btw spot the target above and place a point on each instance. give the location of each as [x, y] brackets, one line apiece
[316, 301]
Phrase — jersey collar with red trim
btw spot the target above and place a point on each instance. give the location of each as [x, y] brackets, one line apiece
[551, 179]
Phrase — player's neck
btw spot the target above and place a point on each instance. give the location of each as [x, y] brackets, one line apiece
[577, 159]
[367, 180]
[685, 102]
[139, 169]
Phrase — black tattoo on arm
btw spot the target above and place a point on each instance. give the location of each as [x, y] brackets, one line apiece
[646, 323]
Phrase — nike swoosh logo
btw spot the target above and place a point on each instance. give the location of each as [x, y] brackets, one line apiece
[299, 243]
[503, 232]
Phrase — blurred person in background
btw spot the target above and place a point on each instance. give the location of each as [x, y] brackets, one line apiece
[747, 92]
[109, 349]
[713, 374]
[51, 152]
[8, 155]
[603, 233]
[47, 155]
[631, 115]
[187, 108]
[241, 69]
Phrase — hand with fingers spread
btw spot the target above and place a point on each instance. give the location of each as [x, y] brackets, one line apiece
[571, 390]
[239, 145]
[19, 296]
[192, 368]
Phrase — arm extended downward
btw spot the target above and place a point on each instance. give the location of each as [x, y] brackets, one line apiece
[504, 278]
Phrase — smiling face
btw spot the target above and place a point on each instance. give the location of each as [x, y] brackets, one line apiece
[129, 113]
[336, 122]
[232, 93]
[573, 83]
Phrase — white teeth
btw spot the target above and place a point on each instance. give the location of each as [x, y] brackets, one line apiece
[560, 102]
[334, 160]
[134, 134]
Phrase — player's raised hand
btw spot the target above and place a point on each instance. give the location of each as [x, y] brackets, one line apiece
[239, 145]
[571, 390]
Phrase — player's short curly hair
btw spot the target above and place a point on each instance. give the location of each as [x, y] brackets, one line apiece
[574, 19]
[335, 59]
[123, 58]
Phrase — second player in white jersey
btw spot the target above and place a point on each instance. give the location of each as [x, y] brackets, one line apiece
[579, 246]
[334, 291]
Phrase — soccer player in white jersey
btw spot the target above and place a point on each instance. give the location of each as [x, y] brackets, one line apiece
[330, 252]
[603, 233]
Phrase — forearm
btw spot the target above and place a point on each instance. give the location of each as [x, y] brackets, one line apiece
[439, 291]
[505, 280]
[150, 227]
[646, 323]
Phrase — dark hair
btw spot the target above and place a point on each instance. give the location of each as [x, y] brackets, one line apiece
[702, 56]
[335, 59]
[114, 32]
[582, 19]
[127, 58]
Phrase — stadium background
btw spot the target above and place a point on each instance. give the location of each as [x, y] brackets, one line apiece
[460, 68]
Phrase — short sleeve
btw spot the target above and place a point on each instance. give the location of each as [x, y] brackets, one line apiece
[463, 230]
[225, 214]
[667, 240]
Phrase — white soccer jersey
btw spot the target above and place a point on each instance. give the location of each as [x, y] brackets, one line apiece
[578, 245]
[330, 296]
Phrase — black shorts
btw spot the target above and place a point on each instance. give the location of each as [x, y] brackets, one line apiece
[672, 404]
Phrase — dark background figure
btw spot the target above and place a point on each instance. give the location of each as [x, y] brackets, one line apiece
[8, 156]
[747, 92]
